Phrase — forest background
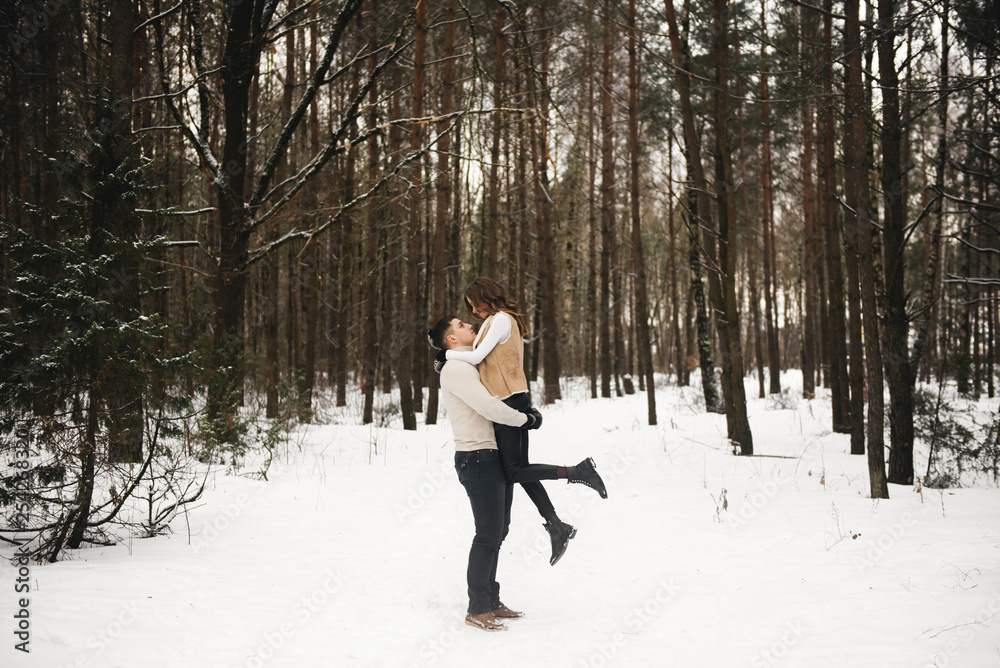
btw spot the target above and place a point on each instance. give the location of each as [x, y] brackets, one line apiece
[217, 214]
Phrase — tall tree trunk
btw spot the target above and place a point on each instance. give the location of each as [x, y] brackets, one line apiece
[608, 236]
[50, 115]
[548, 297]
[443, 196]
[350, 258]
[767, 221]
[641, 313]
[80, 515]
[269, 280]
[311, 300]
[455, 246]
[392, 242]
[728, 323]
[239, 64]
[751, 244]
[12, 189]
[811, 301]
[491, 223]
[404, 371]
[925, 331]
[420, 296]
[830, 209]
[523, 150]
[124, 396]
[272, 369]
[896, 321]
[854, 128]
[690, 343]
[623, 382]
[593, 329]
[369, 336]
[272, 265]
[293, 300]
[856, 371]
[857, 195]
[698, 203]
[962, 359]
[991, 343]
[680, 362]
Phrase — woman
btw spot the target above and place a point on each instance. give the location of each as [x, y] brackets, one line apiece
[499, 354]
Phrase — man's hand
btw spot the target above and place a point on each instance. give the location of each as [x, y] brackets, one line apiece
[534, 419]
[439, 360]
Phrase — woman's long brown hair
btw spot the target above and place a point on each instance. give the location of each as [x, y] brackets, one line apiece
[490, 296]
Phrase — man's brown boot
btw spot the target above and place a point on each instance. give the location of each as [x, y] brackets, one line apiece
[503, 612]
[485, 621]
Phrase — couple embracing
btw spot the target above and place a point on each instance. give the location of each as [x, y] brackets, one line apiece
[486, 394]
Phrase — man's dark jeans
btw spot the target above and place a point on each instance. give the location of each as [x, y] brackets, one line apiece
[480, 473]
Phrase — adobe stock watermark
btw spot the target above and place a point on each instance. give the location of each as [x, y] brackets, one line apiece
[301, 612]
[967, 631]
[219, 524]
[767, 489]
[21, 481]
[755, 501]
[419, 495]
[98, 643]
[635, 621]
[439, 645]
[229, 513]
[777, 650]
[876, 549]
[36, 20]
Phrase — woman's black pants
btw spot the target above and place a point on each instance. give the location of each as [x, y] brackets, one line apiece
[513, 445]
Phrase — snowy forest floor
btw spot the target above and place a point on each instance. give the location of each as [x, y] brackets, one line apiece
[353, 553]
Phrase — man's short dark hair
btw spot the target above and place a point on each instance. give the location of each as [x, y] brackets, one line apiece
[436, 334]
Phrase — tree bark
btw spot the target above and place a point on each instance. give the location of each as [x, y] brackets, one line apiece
[698, 203]
[239, 64]
[830, 208]
[680, 362]
[925, 331]
[857, 194]
[898, 371]
[124, 396]
[369, 336]
[312, 286]
[594, 308]
[727, 323]
[438, 249]
[811, 300]
[767, 221]
[641, 314]
[404, 372]
[548, 297]
[349, 257]
[754, 337]
[491, 223]
[607, 202]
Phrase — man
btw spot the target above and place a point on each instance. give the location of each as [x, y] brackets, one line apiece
[472, 412]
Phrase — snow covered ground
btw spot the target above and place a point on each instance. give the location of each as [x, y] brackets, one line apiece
[354, 554]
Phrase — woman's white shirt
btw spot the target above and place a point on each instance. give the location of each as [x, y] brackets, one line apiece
[499, 332]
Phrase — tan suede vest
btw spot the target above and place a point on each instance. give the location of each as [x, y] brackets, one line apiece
[502, 370]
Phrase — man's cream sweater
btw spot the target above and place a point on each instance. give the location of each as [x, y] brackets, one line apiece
[472, 410]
